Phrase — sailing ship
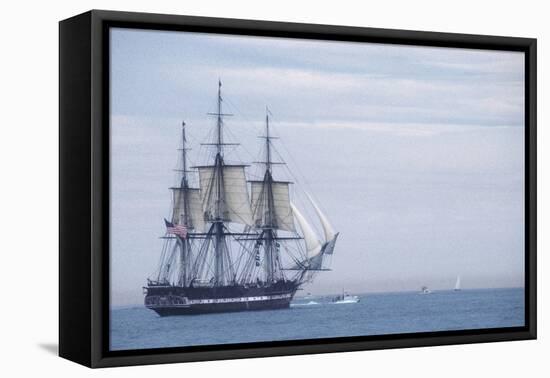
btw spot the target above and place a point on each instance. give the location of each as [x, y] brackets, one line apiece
[234, 243]
[457, 284]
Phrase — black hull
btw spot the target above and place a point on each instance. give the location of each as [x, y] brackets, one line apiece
[174, 300]
[226, 307]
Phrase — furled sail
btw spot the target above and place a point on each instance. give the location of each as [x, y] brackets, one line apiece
[283, 219]
[236, 205]
[327, 227]
[313, 245]
[193, 220]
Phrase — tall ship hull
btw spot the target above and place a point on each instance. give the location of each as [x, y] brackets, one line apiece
[235, 241]
[174, 300]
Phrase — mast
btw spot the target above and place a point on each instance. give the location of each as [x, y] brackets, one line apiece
[224, 199]
[269, 227]
[267, 141]
[220, 115]
[184, 157]
[185, 248]
[217, 229]
[269, 233]
[219, 234]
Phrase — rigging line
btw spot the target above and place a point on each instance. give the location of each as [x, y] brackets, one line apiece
[201, 273]
[226, 260]
[158, 271]
[196, 269]
[256, 271]
[245, 273]
[168, 266]
[209, 270]
[242, 146]
[299, 181]
[259, 129]
[191, 140]
[205, 154]
[294, 176]
[256, 125]
[244, 252]
[275, 125]
[237, 261]
[245, 249]
[297, 168]
[290, 252]
[243, 255]
[294, 258]
[243, 221]
[244, 116]
[189, 135]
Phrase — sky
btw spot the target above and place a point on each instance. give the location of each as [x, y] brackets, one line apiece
[415, 154]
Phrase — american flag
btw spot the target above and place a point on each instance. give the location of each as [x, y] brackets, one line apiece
[176, 229]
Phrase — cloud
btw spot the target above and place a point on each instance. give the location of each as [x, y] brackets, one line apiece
[166, 74]
[300, 94]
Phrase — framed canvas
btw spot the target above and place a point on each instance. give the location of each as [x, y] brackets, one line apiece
[235, 188]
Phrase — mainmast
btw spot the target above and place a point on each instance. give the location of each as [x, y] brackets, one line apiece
[216, 185]
[267, 141]
[219, 244]
[217, 177]
[224, 199]
[218, 231]
[220, 120]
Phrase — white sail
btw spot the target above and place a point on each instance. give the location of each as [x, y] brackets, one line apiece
[457, 284]
[328, 248]
[195, 218]
[327, 227]
[284, 219]
[313, 245]
[236, 207]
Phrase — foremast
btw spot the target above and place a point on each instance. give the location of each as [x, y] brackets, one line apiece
[184, 213]
[184, 244]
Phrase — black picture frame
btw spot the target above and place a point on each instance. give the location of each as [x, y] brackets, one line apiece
[84, 187]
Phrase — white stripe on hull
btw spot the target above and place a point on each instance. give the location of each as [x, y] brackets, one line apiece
[190, 302]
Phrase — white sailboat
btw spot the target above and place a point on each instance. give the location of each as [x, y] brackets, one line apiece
[457, 284]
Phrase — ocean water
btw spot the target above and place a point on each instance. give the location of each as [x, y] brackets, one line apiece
[376, 314]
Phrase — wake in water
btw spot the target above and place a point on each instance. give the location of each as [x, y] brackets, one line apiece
[345, 301]
[310, 303]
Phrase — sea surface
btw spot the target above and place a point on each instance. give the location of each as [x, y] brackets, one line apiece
[317, 317]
